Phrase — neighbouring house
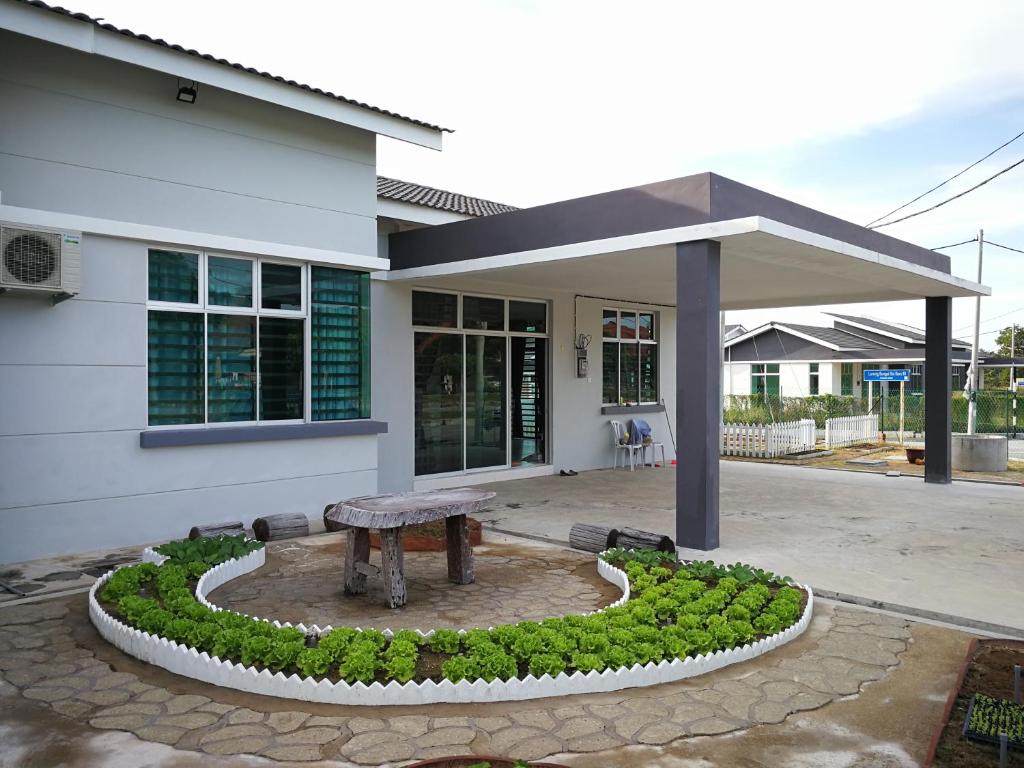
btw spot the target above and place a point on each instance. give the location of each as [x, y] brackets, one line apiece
[214, 308]
[732, 331]
[795, 360]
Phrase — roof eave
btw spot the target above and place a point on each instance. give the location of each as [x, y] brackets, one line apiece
[89, 38]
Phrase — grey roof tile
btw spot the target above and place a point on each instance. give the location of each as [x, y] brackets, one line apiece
[191, 52]
[915, 334]
[841, 339]
[418, 194]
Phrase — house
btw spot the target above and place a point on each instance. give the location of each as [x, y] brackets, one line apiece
[214, 308]
[795, 360]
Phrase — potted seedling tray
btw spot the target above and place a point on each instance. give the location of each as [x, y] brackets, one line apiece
[987, 718]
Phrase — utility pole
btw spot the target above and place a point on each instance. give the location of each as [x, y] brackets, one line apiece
[1013, 375]
[972, 405]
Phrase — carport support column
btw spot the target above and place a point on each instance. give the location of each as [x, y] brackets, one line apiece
[938, 392]
[698, 372]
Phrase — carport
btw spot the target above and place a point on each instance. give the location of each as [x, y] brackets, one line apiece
[702, 244]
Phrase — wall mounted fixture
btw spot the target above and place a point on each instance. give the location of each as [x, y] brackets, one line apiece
[188, 93]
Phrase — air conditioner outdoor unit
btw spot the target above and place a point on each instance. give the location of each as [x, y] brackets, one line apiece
[40, 260]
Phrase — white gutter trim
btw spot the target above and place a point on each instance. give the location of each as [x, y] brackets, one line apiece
[418, 214]
[167, 235]
[710, 231]
[88, 38]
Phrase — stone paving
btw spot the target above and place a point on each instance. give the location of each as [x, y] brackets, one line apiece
[47, 653]
[302, 582]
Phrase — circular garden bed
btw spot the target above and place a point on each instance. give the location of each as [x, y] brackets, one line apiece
[674, 621]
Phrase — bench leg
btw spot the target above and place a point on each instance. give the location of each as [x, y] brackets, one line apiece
[357, 550]
[460, 551]
[392, 567]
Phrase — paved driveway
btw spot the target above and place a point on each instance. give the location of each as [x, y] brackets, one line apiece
[955, 550]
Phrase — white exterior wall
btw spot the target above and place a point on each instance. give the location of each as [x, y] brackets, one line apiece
[579, 435]
[737, 378]
[94, 138]
[97, 138]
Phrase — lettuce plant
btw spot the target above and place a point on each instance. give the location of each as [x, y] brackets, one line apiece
[313, 662]
[360, 664]
[460, 668]
[546, 664]
[444, 641]
[401, 668]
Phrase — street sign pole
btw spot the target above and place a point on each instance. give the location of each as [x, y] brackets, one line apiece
[903, 394]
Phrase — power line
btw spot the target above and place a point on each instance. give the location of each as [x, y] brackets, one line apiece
[989, 319]
[949, 199]
[954, 245]
[951, 178]
[1004, 247]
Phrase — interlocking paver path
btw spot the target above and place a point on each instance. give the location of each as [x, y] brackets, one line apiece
[50, 653]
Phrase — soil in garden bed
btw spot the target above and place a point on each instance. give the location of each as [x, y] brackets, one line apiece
[989, 672]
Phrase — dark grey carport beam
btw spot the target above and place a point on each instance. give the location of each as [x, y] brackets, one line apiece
[700, 199]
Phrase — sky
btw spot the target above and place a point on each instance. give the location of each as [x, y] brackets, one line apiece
[852, 109]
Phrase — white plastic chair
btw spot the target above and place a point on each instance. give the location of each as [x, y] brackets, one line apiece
[654, 446]
[621, 443]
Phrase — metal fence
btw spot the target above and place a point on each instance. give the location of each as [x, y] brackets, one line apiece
[767, 440]
[997, 410]
[848, 430]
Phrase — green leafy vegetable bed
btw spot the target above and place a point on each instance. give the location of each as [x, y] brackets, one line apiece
[675, 611]
[210, 550]
[988, 717]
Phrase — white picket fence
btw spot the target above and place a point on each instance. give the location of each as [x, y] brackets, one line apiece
[767, 440]
[847, 430]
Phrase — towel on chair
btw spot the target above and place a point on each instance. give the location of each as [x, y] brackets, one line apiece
[639, 432]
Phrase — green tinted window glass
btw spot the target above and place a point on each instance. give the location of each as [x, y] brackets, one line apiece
[281, 287]
[846, 379]
[281, 393]
[175, 368]
[440, 310]
[340, 344]
[483, 314]
[648, 373]
[629, 372]
[527, 316]
[229, 282]
[231, 367]
[610, 373]
[173, 276]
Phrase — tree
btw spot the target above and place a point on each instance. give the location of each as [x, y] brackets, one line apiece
[999, 378]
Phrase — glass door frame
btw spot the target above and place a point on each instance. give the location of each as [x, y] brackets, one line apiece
[507, 335]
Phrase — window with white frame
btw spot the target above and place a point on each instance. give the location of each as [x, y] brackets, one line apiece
[235, 339]
[812, 379]
[629, 357]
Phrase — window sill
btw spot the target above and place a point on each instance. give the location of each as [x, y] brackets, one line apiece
[167, 438]
[616, 410]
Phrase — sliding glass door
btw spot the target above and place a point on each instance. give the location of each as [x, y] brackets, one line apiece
[438, 417]
[480, 382]
[486, 417]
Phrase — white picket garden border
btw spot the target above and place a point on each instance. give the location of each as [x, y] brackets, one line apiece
[189, 662]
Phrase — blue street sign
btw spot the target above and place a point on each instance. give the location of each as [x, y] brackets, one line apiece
[887, 374]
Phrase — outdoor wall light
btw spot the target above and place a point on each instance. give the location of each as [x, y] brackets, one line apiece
[188, 93]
